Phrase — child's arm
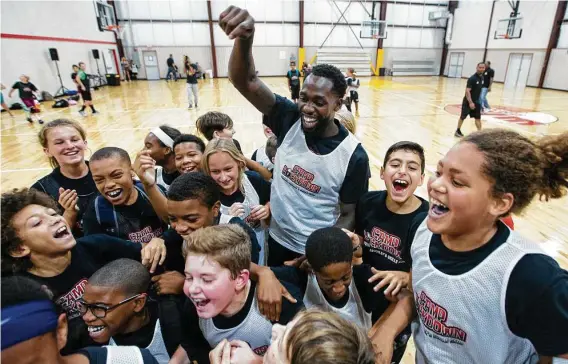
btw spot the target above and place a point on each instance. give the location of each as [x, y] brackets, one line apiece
[259, 168]
[12, 91]
[391, 323]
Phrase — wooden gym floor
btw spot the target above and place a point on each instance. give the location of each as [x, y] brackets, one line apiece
[391, 109]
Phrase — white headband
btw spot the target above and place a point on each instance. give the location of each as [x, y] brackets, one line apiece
[164, 138]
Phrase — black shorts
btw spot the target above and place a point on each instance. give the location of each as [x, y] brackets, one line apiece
[86, 96]
[466, 111]
[354, 96]
[295, 92]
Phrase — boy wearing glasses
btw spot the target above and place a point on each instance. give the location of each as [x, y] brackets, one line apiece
[117, 311]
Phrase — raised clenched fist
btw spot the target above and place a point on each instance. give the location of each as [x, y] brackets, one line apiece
[236, 23]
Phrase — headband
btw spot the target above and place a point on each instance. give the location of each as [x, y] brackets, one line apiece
[164, 138]
[26, 321]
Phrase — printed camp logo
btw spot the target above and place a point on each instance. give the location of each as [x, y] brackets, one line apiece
[69, 300]
[145, 235]
[509, 114]
[434, 318]
[378, 239]
[300, 177]
[261, 350]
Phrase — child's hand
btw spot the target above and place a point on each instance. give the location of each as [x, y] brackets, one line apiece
[169, 283]
[260, 212]
[269, 294]
[237, 210]
[144, 167]
[394, 279]
[242, 353]
[221, 354]
[68, 200]
[153, 253]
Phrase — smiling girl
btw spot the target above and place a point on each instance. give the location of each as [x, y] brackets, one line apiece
[483, 293]
[71, 184]
[244, 194]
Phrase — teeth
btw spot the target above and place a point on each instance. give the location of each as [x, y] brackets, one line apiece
[401, 182]
[309, 119]
[95, 328]
[61, 230]
[437, 203]
[114, 193]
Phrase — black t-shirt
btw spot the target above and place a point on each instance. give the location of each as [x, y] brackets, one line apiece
[174, 244]
[26, 90]
[475, 83]
[293, 78]
[89, 255]
[193, 340]
[142, 337]
[487, 76]
[85, 187]
[285, 114]
[260, 185]
[169, 177]
[372, 301]
[73, 76]
[386, 245]
[192, 78]
[170, 62]
[536, 301]
[137, 222]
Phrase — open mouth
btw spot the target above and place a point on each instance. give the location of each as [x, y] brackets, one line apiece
[96, 331]
[114, 194]
[400, 185]
[309, 122]
[437, 208]
[62, 232]
[200, 303]
[187, 169]
[71, 153]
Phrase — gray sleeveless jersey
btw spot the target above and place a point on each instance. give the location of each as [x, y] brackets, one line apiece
[255, 330]
[157, 347]
[251, 199]
[353, 311]
[263, 159]
[305, 188]
[461, 318]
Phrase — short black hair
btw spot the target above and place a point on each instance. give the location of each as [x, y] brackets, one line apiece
[327, 246]
[333, 74]
[483, 63]
[195, 186]
[74, 66]
[128, 275]
[171, 132]
[408, 147]
[213, 121]
[189, 138]
[271, 147]
[17, 290]
[12, 203]
[110, 152]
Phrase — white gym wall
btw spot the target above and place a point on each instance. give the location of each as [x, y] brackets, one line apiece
[74, 20]
[471, 21]
[557, 77]
[180, 27]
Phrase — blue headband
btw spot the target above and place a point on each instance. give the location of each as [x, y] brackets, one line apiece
[26, 321]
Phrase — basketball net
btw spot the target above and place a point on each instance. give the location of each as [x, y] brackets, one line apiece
[116, 29]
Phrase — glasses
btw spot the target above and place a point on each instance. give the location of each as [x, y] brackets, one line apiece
[100, 311]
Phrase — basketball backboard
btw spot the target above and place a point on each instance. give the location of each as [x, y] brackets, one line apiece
[373, 29]
[509, 28]
[105, 16]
